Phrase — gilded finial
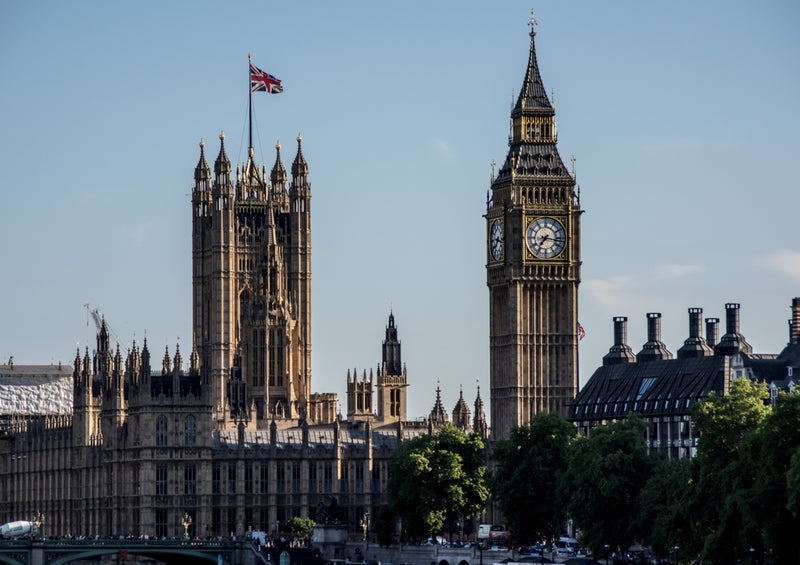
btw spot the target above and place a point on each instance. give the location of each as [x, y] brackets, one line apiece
[493, 165]
[299, 138]
[202, 143]
[222, 136]
[249, 56]
[278, 145]
[532, 21]
[572, 160]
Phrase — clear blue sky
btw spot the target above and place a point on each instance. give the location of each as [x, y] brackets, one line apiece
[682, 116]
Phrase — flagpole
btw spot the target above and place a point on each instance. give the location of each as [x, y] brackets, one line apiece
[250, 101]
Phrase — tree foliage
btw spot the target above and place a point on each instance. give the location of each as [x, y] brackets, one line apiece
[719, 527]
[529, 466]
[436, 478]
[299, 527]
[606, 471]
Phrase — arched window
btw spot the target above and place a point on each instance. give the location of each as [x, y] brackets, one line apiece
[189, 431]
[161, 432]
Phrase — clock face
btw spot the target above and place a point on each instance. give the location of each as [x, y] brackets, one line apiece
[546, 237]
[496, 240]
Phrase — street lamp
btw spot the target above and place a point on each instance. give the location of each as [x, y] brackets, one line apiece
[365, 524]
[675, 553]
[39, 520]
[187, 521]
[607, 548]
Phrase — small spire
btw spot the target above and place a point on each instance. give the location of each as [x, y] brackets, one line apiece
[299, 166]
[222, 165]
[201, 171]
[278, 174]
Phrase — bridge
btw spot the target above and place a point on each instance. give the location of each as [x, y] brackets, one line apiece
[170, 552]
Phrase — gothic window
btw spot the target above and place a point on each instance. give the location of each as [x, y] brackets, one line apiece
[281, 478]
[359, 477]
[161, 432]
[189, 431]
[345, 478]
[248, 477]
[231, 478]
[189, 480]
[264, 478]
[296, 477]
[312, 478]
[276, 368]
[376, 478]
[161, 480]
[328, 477]
[216, 478]
[161, 522]
[394, 402]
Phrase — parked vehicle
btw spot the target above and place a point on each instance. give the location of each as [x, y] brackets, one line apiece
[565, 546]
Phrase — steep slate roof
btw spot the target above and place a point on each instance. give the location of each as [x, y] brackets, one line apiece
[652, 388]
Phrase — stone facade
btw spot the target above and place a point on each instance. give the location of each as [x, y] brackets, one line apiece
[234, 438]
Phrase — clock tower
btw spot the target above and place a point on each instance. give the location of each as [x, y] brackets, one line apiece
[533, 267]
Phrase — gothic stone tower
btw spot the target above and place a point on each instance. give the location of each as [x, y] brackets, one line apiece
[533, 267]
[392, 378]
[251, 264]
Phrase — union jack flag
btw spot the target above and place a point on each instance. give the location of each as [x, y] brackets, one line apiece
[581, 332]
[261, 81]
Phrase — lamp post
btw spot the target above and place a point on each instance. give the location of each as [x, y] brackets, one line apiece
[675, 553]
[187, 521]
[39, 521]
[365, 524]
[607, 548]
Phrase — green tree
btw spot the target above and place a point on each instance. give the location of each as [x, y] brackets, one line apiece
[764, 465]
[529, 466]
[664, 519]
[605, 473]
[299, 527]
[383, 525]
[436, 478]
[720, 528]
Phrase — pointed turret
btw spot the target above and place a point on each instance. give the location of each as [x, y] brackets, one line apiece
[166, 362]
[479, 425]
[222, 166]
[438, 415]
[461, 414]
[278, 174]
[299, 165]
[532, 141]
[202, 174]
